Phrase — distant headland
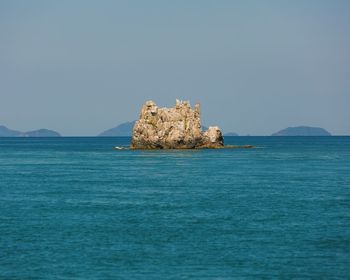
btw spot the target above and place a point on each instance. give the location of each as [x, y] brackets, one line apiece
[302, 131]
[7, 132]
[124, 129]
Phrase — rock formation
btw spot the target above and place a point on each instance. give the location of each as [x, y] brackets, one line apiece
[173, 128]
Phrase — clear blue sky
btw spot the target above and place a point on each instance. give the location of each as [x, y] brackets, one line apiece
[80, 67]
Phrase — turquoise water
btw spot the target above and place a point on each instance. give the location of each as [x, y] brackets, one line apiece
[74, 208]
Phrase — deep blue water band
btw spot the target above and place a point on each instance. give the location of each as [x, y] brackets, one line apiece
[74, 208]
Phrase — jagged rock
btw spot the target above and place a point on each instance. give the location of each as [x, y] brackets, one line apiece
[173, 128]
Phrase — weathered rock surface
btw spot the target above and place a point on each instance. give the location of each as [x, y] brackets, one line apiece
[173, 128]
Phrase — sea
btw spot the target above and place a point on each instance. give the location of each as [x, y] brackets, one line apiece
[75, 208]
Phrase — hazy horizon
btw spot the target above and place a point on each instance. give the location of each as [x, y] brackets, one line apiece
[81, 67]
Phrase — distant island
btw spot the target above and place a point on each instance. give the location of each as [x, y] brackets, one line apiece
[41, 133]
[7, 132]
[302, 131]
[231, 134]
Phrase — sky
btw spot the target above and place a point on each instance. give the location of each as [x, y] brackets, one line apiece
[80, 67]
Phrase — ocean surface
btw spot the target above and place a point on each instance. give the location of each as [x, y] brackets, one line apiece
[74, 208]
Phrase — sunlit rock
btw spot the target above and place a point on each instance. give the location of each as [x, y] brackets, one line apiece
[173, 128]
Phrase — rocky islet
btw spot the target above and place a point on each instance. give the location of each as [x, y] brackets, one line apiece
[178, 127]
